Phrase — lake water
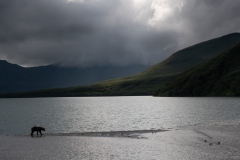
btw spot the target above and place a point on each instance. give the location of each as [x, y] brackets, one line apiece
[84, 114]
[210, 119]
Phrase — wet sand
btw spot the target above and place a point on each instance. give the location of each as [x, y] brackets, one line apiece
[197, 142]
[124, 134]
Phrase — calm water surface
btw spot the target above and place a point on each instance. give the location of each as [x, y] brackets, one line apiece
[214, 119]
[67, 115]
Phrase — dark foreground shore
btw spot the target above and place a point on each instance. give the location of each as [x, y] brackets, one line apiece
[201, 142]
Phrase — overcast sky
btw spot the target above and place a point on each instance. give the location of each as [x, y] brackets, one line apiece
[109, 32]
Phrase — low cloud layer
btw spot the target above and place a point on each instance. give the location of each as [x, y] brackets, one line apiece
[105, 32]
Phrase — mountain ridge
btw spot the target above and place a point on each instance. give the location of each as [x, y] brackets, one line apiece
[213, 47]
[153, 78]
[15, 78]
[219, 76]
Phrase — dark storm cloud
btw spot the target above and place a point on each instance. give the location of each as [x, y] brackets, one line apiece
[212, 18]
[102, 32]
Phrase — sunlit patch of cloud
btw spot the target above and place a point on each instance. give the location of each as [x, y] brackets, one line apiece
[116, 32]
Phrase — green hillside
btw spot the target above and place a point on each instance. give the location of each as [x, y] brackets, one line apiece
[217, 77]
[191, 56]
[149, 81]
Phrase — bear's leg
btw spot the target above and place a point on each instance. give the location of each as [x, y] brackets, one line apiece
[40, 132]
[32, 133]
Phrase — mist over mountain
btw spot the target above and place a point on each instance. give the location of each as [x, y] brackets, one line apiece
[15, 78]
[106, 32]
[155, 77]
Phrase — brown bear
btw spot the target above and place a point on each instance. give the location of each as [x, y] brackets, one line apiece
[38, 129]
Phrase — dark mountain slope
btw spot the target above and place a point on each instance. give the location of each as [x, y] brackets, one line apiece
[15, 78]
[147, 82]
[217, 77]
[191, 56]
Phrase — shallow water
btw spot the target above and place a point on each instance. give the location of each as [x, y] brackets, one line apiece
[85, 114]
[191, 121]
[170, 145]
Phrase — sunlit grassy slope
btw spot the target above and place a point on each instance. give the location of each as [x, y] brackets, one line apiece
[219, 76]
[149, 81]
[158, 75]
